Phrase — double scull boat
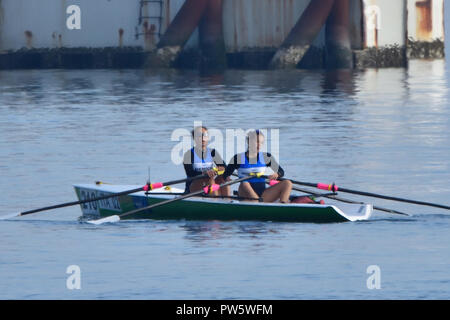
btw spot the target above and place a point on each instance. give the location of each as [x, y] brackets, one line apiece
[208, 208]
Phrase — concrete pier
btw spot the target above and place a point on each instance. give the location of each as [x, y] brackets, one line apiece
[302, 35]
[212, 44]
[179, 32]
[338, 47]
[253, 34]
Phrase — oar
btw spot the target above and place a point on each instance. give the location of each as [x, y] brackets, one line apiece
[335, 197]
[205, 190]
[331, 196]
[147, 187]
[333, 187]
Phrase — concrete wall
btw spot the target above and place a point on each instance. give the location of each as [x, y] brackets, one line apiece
[259, 23]
[384, 23]
[42, 24]
[45, 22]
[248, 24]
[425, 20]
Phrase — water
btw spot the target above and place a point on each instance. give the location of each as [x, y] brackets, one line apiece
[384, 131]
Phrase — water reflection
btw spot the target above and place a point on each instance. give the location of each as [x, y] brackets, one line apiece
[204, 231]
[339, 81]
[199, 231]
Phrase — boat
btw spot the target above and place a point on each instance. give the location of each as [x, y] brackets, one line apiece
[209, 208]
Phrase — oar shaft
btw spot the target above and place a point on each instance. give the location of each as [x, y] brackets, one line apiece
[73, 203]
[374, 195]
[329, 196]
[193, 194]
[368, 194]
[111, 195]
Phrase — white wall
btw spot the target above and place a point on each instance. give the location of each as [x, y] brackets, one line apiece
[46, 19]
[389, 19]
[437, 19]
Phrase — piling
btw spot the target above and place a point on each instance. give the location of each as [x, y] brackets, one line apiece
[302, 35]
[212, 44]
[337, 31]
[179, 32]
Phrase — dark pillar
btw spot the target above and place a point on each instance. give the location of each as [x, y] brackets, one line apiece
[212, 44]
[302, 35]
[179, 31]
[339, 51]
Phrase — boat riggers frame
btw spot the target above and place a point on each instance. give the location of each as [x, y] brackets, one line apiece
[206, 190]
[146, 188]
[333, 187]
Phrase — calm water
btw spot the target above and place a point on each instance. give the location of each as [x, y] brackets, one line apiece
[384, 131]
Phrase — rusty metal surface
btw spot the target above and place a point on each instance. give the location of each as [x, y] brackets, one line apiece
[29, 38]
[338, 24]
[338, 53]
[46, 20]
[425, 20]
[212, 43]
[184, 23]
[310, 23]
[259, 23]
[211, 26]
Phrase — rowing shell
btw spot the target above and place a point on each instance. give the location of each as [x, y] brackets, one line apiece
[204, 208]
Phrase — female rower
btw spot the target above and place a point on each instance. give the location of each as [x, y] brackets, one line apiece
[203, 160]
[255, 161]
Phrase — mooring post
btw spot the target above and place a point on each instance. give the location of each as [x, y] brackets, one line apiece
[179, 31]
[302, 35]
[212, 44]
[338, 44]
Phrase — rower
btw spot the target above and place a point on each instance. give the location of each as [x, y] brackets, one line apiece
[203, 160]
[254, 161]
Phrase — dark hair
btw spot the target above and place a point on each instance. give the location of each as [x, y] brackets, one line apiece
[256, 133]
[196, 128]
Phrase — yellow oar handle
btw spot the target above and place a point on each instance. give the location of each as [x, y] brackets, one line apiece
[219, 173]
[256, 174]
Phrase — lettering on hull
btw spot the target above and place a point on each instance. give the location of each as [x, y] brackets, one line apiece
[93, 208]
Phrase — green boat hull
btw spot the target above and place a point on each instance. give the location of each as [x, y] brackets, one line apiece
[201, 208]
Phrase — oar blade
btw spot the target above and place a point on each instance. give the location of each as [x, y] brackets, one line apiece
[10, 216]
[110, 219]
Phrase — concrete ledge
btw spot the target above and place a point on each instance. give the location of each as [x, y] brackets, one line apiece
[425, 50]
[386, 57]
[73, 58]
[135, 57]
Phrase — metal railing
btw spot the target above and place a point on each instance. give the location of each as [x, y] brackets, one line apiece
[143, 18]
